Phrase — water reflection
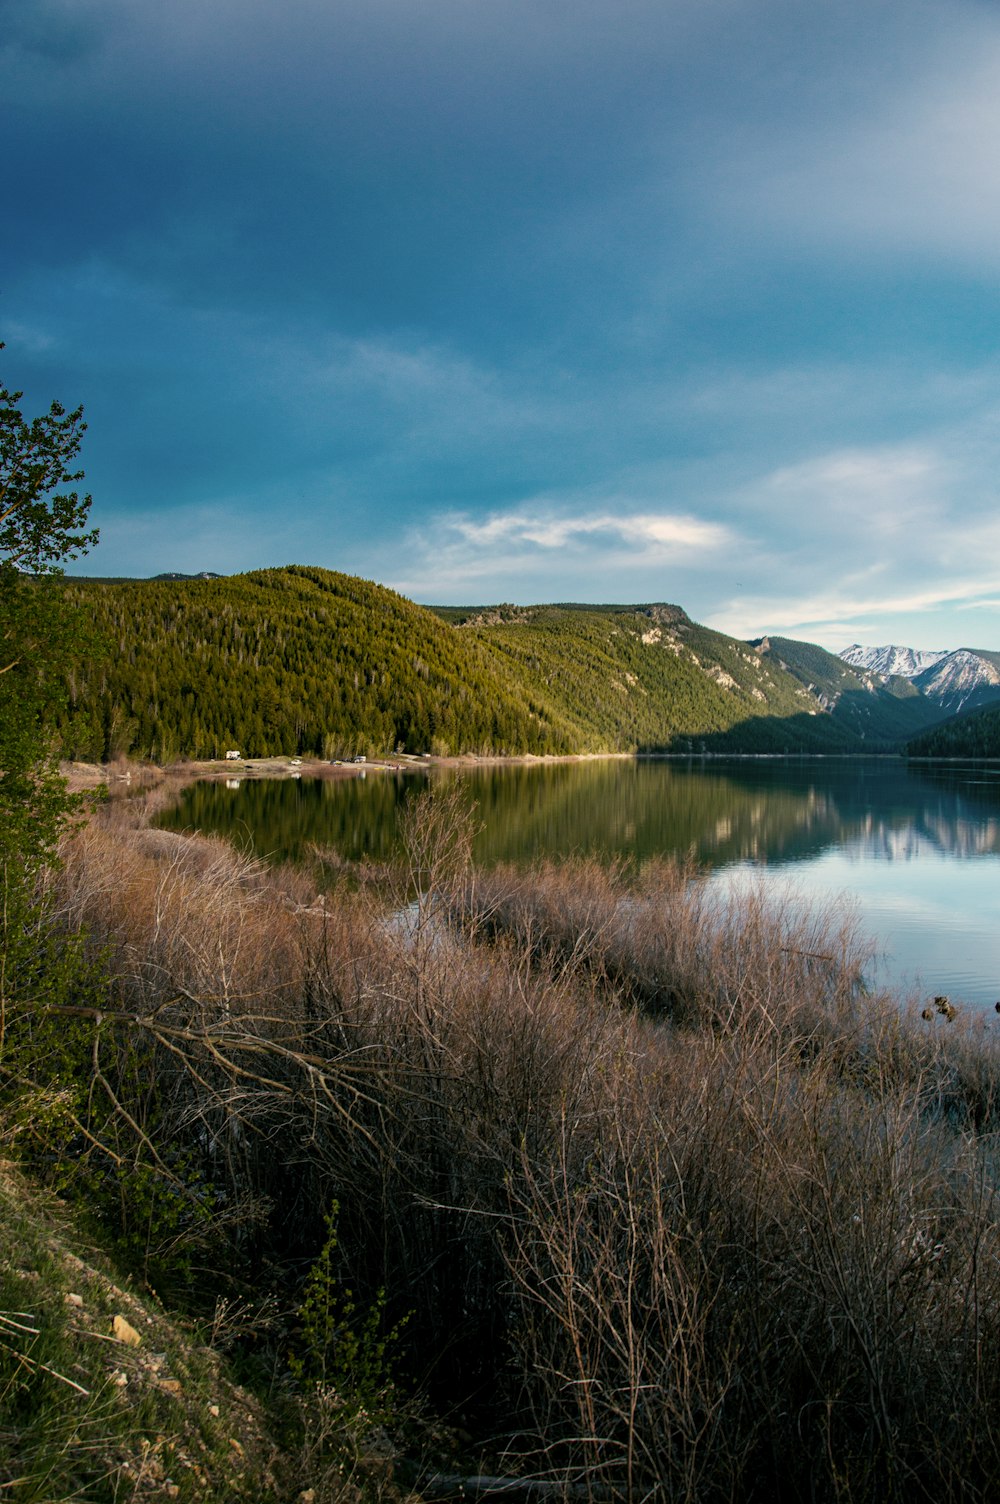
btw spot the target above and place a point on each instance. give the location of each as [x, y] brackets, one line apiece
[919, 846]
[771, 812]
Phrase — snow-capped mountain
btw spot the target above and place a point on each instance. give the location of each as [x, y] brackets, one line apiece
[961, 680]
[906, 662]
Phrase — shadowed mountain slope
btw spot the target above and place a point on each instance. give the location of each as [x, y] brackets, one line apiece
[974, 734]
[881, 710]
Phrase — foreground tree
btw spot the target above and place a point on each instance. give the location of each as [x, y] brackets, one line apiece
[39, 522]
[42, 523]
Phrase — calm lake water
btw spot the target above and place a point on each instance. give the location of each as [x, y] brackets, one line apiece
[915, 848]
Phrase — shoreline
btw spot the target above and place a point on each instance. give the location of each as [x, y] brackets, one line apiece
[125, 774]
[81, 776]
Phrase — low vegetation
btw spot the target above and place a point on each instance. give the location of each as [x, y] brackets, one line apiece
[643, 1194]
[102, 1395]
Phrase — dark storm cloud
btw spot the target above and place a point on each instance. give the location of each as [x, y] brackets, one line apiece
[432, 290]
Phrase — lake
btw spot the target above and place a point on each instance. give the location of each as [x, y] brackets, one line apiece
[915, 847]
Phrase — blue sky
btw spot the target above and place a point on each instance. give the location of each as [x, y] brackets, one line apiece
[525, 300]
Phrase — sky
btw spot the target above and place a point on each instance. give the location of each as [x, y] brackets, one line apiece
[525, 300]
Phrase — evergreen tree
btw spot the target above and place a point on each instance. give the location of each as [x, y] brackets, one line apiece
[41, 524]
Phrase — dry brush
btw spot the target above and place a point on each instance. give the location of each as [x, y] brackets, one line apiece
[679, 1210]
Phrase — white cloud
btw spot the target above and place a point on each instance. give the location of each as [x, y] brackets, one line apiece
[543, 551]
[841, 614]
[662, 532]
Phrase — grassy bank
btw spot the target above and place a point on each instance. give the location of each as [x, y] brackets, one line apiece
[643, 1195]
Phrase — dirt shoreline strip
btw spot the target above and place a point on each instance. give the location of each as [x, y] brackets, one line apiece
[81, 776]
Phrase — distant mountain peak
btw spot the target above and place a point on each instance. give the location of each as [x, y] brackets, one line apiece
[892, 659]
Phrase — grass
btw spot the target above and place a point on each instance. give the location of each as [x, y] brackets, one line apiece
[86, 1416]
[672, 1207]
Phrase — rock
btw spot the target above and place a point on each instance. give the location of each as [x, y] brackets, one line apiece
[74, 1300]
[125, 1332]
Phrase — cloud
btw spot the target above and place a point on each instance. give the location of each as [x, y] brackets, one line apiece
[545, 550]
[872, 496]
[60, 32]
[666, 533]
[841, 614]
[884, 542]
[595, 302]
[29, 338]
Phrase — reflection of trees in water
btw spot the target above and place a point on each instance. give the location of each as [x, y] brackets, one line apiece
[640, 809]
[286, 817]
[720, 812]
[773, 811]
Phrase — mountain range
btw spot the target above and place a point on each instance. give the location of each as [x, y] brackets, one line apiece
[961, 680]
[891, 660]
[308, 661]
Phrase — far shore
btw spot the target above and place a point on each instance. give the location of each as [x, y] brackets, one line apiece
[123, 773]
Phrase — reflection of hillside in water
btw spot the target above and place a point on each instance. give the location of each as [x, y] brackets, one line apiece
[630, 809]
[951, 810]
[771, 811]
[882, 810]
[937, 837]
[721, 813]
[285, 818]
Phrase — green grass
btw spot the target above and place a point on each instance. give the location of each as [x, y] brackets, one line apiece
[84, 1416]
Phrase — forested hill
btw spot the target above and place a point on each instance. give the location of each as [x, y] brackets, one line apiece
[649, 678]
[974, 734]
[288, 660]
[302, 660]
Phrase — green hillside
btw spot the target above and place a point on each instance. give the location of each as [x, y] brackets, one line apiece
[288, 660]
[975, 734]
[649, 678]
[301, 660]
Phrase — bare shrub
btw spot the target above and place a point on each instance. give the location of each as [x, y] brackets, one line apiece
[675, 947]
[678, 1209]
[760, 1283]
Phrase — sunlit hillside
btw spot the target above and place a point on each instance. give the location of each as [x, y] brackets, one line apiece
[305, 661]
